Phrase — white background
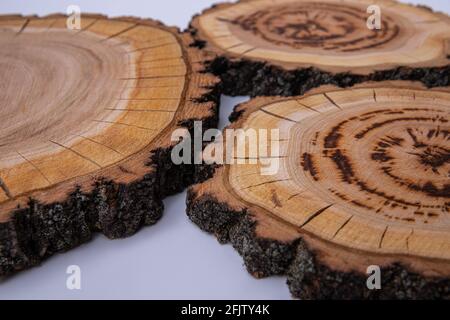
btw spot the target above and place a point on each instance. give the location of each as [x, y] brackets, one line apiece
[172, 260]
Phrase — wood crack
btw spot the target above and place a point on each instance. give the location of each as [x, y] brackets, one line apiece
[121, 32]
[154, 77]
[265, 183]
[5, 188]
[34, 166]
[332, 101]
[77, 153]
[307, 107]
[23, 27]
[341, 228]
[235, 46]
[380, 245]
[277, 115]
[150, 99]
[101, 144]
[142, 110]
[85, 28]
[314, 215]
[162, 59]
[152, 47]
[408, 238]
[124, 124]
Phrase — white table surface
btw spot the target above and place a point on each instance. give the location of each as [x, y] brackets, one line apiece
[172, 260]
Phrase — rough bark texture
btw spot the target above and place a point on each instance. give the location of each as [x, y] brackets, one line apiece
[252, 25]
[321, 243]
[37, 231]
[115, 210]
[262, 257]
[246, 77]
[306, 278]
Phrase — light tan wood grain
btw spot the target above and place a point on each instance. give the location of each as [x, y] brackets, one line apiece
[363, 175]
[78, 104]
[329, 34]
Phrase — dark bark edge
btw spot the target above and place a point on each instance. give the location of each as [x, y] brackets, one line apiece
[246, 77]
[38, 231]
[307, 278]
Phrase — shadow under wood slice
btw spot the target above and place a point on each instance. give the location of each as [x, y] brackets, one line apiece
[361, 180]
[287, 47]
[87, 119]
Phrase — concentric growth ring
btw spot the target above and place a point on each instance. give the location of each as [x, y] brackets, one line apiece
[325, 26]
[362, 179]
[87, 117]
[331, 35]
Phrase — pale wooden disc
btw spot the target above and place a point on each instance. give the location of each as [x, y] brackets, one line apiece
[362, 177]
[367, 169]
[331, 35]
[86, 132]
[77, 105]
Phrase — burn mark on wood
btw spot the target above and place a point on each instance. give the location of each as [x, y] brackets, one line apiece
[362, 205]
[332, 139]
[344, 165]
[308, 165]
[323, 26]
[381, 156]
[434, 157]
[425, 144]
[364, 187]
[276, 201]
[378, 125]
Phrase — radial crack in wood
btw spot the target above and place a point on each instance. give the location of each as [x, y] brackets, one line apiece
[286, 47]
[87, 118]
[359, 182]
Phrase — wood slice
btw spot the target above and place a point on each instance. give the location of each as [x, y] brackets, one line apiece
[87, 118]
[285, 47]
[363, 180]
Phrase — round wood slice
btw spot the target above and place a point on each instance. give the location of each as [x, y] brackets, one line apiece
[363, 179]
[284, 47]
[87, 118]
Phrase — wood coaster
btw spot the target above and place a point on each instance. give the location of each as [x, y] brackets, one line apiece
[361, 180]
[87, 118]
[286, 47]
